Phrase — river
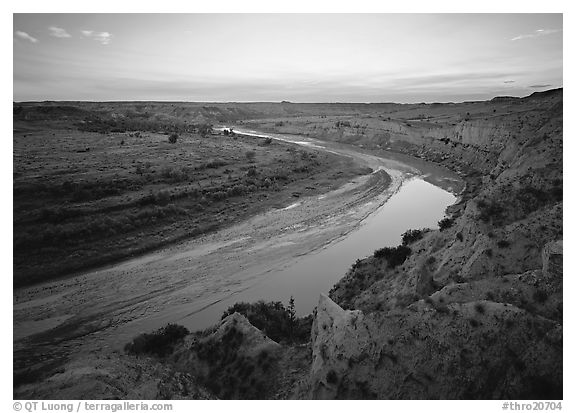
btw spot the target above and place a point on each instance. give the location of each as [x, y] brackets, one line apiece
[416, 204]
[298, 250]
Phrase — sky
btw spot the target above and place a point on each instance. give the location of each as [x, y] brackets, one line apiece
[294, 57]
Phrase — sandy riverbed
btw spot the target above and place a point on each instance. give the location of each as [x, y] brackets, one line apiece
[102, 310]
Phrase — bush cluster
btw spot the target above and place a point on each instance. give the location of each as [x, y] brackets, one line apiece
[342, 124]
[518, 204]
[276, 321]
[394, 256]
[445, 223]
[490, 211]
[413, 235]
[159, 343]
[503, 243]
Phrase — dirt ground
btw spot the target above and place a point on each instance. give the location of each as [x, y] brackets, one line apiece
[84, 199]
[101, 310]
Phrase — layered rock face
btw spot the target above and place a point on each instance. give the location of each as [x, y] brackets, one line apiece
[470, 349]
[116, 376]
[476, 309]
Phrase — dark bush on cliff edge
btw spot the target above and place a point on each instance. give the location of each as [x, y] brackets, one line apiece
[394, 256]
[413, 235]
[276, 321]
[159, 343]
[445, 223]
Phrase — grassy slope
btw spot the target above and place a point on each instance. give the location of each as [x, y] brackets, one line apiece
[83, 199]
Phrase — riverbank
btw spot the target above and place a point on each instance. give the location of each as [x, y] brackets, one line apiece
[473, 310]
[104, 309]
[84, 200]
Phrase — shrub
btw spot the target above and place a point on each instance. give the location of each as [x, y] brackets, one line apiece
[540, 296]
[557, 193]
[342, 124]
[173, 175]
[173, 138]
[215, 164]
[412, 235]
[357, 264]
[394, 256]
[159, 343]
[161, 197]
[445, 223]
[219, 195]
[252, 171]
[250, 155]
[332, 377]
[479, 307]
[503, 243]
[531, 198]
[490, 211]
[459, 237]
[236, 190]
[458, 278]
[276, 321]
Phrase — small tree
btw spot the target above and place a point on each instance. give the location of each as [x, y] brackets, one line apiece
[173, 138]
[445, 223]
[413, 235]
[291, 314]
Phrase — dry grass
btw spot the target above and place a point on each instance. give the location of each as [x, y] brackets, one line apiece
[83, 199]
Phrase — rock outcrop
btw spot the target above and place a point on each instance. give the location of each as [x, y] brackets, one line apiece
[116, 376]
[457, 350]
[476, 310]
[235, 361]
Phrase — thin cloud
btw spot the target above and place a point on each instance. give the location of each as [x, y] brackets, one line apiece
[58, 32]
[509, 81]
[537, 33]
[26, 36]
[102, 37]
[539, 86]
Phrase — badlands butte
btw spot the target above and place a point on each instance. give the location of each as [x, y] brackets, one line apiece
[472, 310]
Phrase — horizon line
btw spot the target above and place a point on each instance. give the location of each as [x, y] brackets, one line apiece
[284, 101]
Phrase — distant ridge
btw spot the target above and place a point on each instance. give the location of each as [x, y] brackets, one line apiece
[545, 93]
[549, 92]
[503, 98]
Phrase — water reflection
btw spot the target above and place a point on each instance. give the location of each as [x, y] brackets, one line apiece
[417, 204]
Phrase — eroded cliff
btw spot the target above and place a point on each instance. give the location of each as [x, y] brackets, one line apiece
[475, 311]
